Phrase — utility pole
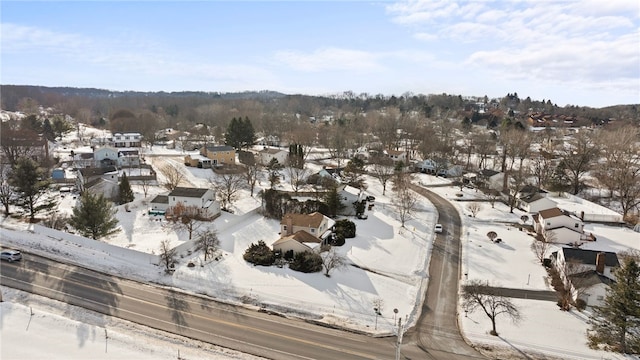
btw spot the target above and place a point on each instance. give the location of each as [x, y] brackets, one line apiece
[399, 343]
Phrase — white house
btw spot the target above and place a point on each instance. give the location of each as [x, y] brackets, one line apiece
[566, 228]
[594, 287]
[202, 198]
[590, 271]
[267, 154]
[126, 140]
[105, 156]
[490, 179]
[88, 177]
[397, 155]
[536, 203]
[128, 157]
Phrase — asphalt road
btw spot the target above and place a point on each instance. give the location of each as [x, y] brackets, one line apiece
[435, 336]
[253, 332]
[437, 330]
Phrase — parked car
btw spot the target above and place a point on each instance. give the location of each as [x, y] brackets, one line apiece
[10, 255]
[362, 216]
[371, 198]
[438, 228]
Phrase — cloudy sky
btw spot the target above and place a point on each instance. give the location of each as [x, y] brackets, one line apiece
[572, 52]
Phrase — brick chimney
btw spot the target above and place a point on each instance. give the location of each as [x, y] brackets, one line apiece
[600, 263]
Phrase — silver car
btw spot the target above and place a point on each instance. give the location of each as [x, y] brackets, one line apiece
[10, 255]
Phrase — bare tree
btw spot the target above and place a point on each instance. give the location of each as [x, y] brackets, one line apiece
[6, 192]
[186, 217]
[575, 278]
[405, 200]
[167, 255]
[297, 176]
[540, 248]
[493, 196]
[227, 188]
[478, 294]
[251, 172]
[383, 170]
[578, 158]
[145, 184]
[620, 173]
[474, 208]
[208, 243]
[333, 260]
[172, 175]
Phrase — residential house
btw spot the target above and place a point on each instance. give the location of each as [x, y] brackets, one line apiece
[197, 160]
[307, 230]
[128, 157]
[268, 154]
[535, 203]
[490, 179]
[126, 140]
[105, 156]
[397, 155]
[219, 154]
[102, 180]
[588, 273]
[202, 198]
[566, 228]
[593, 285]
[300, 241]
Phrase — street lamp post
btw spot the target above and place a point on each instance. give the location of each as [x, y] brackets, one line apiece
[399, 336]
[377, 311]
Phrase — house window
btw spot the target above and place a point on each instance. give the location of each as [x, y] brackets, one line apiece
[577, 225]
[313, 230]
[284, 227]
[600, 298]
[548, 223]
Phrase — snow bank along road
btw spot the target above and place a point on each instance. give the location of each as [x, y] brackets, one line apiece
[191, 316]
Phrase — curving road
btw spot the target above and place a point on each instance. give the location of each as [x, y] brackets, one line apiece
[436, 335]
[437, 332]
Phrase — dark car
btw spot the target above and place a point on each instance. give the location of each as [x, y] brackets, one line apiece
[371, 198]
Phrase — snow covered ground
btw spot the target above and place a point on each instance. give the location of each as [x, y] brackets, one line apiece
[396, 261]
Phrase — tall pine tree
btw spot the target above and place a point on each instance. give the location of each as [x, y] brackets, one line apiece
[615, 326]
[94, 216]
[31, 182]
[240, 133]
[125, 192]
[333, 201]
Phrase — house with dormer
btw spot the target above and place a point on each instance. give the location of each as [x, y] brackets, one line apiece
[397, 155]
[303, 232]
[565, 227]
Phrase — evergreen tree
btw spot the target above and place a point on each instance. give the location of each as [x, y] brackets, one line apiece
[94, 216]
[240, 133]
[125, 193]
[47, 130]
[31, 183]
[616, 325]
[333, 201]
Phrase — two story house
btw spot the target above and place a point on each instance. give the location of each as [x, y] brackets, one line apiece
[267, 154]
[588, 273]
[303, 232]
[565, 228]
[126, 140]
[202, 198]
[219, 154]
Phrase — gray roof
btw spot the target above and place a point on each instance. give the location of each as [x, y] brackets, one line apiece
[215, 148]
[588, 257]
[590, 278]
[160, 199]
[188, 192]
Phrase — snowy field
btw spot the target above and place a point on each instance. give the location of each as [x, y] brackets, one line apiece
[392, 265]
